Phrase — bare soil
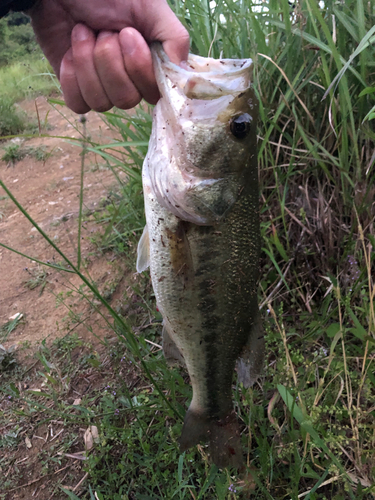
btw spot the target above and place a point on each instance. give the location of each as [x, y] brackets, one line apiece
[49, 191]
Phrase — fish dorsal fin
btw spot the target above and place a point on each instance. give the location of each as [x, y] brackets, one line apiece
[143, 251]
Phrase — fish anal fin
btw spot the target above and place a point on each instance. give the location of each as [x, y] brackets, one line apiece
[223, 437]
[250, 363]
[172, 353]
[143, 251]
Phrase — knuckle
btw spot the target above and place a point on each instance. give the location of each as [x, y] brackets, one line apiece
[104, 48]
[102, 107]
[127, 102]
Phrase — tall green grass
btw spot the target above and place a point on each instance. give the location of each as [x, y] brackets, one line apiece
[27, 79]
[308, 425]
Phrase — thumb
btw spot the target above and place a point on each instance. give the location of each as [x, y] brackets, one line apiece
[162, 25]
[176, 42]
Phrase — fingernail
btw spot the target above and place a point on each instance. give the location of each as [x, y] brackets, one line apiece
[104, 34]
[127, 41]
[80, 33]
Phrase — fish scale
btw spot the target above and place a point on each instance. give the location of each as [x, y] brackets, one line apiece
[204, 265]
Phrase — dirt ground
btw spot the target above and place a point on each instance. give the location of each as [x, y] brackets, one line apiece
[50, 192]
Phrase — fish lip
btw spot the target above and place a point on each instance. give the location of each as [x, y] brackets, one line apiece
[177, 74]
[159, 54]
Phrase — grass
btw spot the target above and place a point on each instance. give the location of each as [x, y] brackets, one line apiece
[9, 326]
[37, 278]
[17, 152]
[22, 80]
[27, 79]
[11, 120]
[308, 423]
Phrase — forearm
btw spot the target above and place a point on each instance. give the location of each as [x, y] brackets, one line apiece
[15, 5]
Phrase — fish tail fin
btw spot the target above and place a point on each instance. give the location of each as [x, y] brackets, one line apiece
[225, 443]
[223, 437]
[196, 428]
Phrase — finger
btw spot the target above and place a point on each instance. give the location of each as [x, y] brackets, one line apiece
[72, 94]
[138, 63]
[161, 24]
[109, 64]
[83, 44]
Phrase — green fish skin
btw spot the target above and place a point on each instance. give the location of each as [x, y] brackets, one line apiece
[200, 182]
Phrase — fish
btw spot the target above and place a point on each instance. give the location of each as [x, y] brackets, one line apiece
[202, 238]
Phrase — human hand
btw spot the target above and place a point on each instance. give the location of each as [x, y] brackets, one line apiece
[99, 50]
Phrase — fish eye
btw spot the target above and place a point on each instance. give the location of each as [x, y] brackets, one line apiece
[240, 126]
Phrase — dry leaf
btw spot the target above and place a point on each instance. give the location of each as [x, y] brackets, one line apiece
[28, 443]
[95, 433]
[76, 402]
[91, 436]
[88, 439]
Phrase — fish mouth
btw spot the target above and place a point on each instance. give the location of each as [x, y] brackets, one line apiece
[200, 77]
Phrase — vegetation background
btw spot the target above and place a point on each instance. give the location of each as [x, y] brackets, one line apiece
[308, 424]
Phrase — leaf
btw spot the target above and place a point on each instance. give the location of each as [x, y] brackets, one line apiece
[366, 91]
[279, 246]
[357, 333]
[14, 389]
[333, 329]
[210, 479]
[363, 44]
[290, 402]
[70, 494]
[180, 467]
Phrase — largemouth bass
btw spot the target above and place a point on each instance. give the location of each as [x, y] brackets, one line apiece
[200, 183]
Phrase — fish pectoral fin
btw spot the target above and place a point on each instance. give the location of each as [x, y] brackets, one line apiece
[143, 251]
[250, 363]
[172, 353]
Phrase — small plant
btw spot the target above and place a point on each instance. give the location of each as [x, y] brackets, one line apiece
[13, 153]
[7, 359]
[40, 153]
[11, 120]
[10, 326]
[17, 152]
[38, 277]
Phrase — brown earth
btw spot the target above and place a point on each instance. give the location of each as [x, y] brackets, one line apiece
[49, 191]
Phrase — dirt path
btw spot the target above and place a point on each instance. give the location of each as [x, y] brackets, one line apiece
[50, 193]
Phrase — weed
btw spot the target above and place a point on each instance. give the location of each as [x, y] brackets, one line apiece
[13, 153]
[21, 80]
[38, 278]
[40, 153]
[17, 152]
[7, 328]
[12, 122]
[7, 359]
